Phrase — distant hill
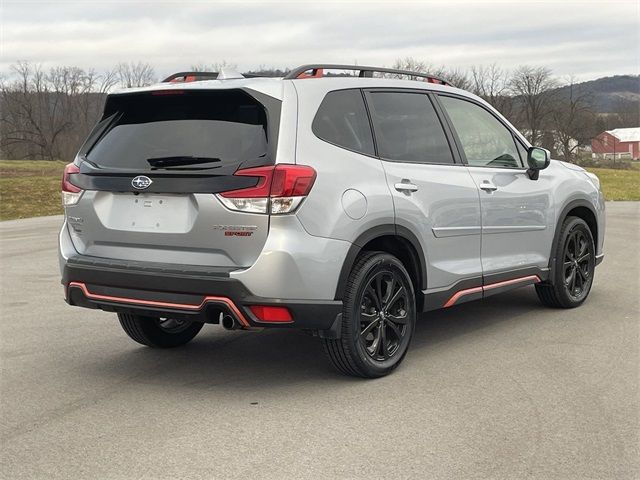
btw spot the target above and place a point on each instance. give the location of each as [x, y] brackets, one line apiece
[608, 91]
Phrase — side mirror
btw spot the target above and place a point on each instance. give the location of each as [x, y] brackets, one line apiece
[537, 159]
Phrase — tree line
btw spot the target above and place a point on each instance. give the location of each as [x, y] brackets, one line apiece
[46, 114]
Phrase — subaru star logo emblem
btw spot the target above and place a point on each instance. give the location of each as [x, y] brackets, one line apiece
[141, 182]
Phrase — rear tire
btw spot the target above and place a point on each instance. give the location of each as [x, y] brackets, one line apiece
[158, 332]
[378, 318]
[575, 265]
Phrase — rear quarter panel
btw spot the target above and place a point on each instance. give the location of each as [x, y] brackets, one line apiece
[346, 181]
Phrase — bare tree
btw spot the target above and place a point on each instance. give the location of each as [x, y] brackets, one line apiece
[413, 65]
[135, 74]
[572, 120]
[107, 80]
[26, 127]
[46, 115]
[458, 78]
[532, 87]
[410, 64]
[492, 84]
[266, 71]
[627, 113]
[213, 67]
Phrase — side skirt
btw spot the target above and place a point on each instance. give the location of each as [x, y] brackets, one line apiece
[476, 288]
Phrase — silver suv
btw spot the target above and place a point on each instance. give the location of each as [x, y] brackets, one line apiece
[340, 205]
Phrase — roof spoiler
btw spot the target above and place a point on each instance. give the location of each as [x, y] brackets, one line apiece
[317, 71]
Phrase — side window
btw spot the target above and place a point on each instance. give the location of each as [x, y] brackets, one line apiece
[486, 141]
[342, 120]
[523, 152]
[407, 128]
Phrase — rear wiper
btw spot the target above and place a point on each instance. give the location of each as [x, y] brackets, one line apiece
[180, 161]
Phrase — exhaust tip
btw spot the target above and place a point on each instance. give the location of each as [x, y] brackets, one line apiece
[229, 323]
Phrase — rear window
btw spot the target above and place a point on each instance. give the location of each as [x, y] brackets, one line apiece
[190, 130]
[342, 120]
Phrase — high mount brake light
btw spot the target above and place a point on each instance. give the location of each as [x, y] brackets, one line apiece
[280, 189]
[70, 193]
[167, 92]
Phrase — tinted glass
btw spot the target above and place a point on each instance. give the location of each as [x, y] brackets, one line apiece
[486, 141]
[227, 127]
[408, 129]
[342, 120]
[523, 153]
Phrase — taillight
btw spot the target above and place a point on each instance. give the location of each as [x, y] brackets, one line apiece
[70, 193]
[280, 189]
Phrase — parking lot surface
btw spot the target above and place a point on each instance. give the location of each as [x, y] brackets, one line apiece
[501, 388]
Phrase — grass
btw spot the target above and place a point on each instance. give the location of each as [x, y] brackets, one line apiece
[618, 184]
[32, 188]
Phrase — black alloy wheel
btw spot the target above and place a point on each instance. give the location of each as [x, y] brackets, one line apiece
[577, 265]
[378, 317]
[571, 280]
[383, 315]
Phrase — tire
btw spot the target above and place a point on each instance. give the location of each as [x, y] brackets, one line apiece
[378, 318]
[158, 332]
[572, 278]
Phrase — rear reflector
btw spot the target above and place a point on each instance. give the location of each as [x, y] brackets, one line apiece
[280, 189]
[269, 313]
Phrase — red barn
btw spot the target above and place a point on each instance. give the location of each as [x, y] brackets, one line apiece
[617, 142]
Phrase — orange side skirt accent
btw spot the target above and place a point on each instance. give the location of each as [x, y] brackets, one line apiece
[456, 296]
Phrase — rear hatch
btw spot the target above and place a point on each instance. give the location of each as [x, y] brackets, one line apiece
[150, 171]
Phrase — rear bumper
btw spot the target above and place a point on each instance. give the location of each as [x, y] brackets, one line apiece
[198, 294]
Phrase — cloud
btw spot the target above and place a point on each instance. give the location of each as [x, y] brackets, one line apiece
[583, 38]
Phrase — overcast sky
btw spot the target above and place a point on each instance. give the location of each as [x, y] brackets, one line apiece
[588, 39]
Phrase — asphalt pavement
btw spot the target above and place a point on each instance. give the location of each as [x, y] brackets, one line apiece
[501, 388]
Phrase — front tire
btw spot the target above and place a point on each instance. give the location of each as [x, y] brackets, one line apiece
[378, 318]
[574, 269]
[158, 332]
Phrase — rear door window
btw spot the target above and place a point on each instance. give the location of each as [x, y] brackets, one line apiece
[188, 130]
[342, 120]
[407, 128]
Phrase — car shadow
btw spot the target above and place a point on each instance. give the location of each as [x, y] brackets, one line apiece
[271, 358]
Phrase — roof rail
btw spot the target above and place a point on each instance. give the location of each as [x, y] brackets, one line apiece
[181, 77]
[317, 71]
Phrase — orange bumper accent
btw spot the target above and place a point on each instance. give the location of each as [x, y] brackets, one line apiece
[152, 303]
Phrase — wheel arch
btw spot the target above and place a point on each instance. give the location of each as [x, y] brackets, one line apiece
[576, 208]
[396, 240]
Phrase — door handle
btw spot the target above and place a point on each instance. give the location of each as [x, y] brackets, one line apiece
[406, 186]
[487, 186]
